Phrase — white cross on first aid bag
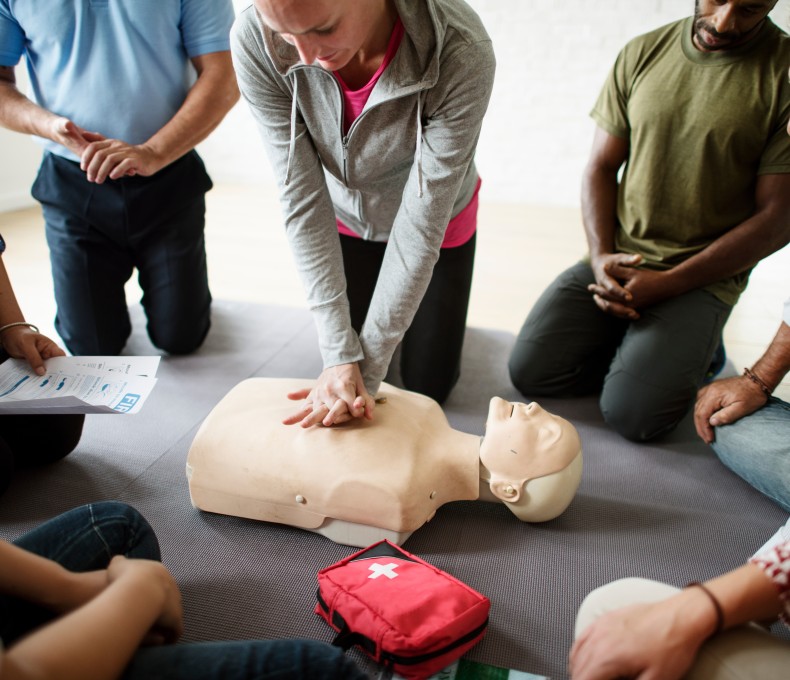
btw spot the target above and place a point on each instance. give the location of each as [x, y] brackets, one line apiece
[404, 613]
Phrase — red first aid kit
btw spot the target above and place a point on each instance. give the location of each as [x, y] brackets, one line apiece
[401, 611]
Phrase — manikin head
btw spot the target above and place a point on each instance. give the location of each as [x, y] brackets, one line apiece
[530, 460]
[726, 24]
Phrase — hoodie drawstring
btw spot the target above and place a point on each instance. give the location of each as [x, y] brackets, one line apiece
[292, 144]
[418, 151]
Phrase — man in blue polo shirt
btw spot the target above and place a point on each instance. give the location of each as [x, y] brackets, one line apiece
[121, 92]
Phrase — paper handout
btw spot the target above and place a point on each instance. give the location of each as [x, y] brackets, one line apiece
[87, 384]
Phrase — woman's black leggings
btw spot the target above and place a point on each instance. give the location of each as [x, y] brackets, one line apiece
[430, 361]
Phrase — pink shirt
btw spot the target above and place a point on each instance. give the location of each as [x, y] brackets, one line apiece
[355, 100]
[461, 227]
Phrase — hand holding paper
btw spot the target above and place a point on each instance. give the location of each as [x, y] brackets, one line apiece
[78, 385]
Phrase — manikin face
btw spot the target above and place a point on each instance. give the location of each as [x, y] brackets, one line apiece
[725, 24]
[327, 32]
[516, 435]
[531, 459]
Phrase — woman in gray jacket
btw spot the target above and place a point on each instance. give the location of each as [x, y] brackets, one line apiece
[370, 112]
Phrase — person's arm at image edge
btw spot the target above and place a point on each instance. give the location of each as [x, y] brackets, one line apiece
[96, 639]
[22, 342]
[10, 312]
[20, 114]
[774, 365]
[726, 401]
[661, 639]
[33, 578]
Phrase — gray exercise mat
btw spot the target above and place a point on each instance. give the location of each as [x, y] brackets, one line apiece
[666, 510]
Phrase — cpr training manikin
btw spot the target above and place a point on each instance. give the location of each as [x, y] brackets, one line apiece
[365, 481]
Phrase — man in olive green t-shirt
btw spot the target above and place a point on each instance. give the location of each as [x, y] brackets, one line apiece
[694, 115]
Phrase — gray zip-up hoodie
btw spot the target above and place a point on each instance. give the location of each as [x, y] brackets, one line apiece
[403, 170]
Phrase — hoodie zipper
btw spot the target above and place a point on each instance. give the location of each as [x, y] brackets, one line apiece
[344, 138]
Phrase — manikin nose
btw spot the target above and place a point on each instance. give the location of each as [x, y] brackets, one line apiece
[533, 408]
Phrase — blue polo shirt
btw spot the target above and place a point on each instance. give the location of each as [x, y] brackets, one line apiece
[117, 67]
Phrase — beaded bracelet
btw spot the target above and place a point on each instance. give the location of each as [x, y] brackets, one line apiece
[33, 327]
[753, 377]
[714, 602]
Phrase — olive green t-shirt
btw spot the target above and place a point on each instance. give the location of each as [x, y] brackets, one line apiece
[701, 127]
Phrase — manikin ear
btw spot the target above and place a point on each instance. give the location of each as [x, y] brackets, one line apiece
[508, 492]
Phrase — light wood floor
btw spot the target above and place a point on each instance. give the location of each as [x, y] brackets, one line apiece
[521, 248]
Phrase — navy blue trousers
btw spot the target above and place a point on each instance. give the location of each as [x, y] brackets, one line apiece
[99, 233]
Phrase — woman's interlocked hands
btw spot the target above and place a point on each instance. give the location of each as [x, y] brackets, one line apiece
[339, 396]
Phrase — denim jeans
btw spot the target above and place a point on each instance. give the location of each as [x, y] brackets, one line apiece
[757, 447]
[81, 539]
[244, 660]
[87, 537]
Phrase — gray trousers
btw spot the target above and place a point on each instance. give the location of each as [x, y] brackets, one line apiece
[647, 371]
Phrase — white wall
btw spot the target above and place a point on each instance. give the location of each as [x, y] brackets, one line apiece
[19, 159]
[18, 166]
[552, 56]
